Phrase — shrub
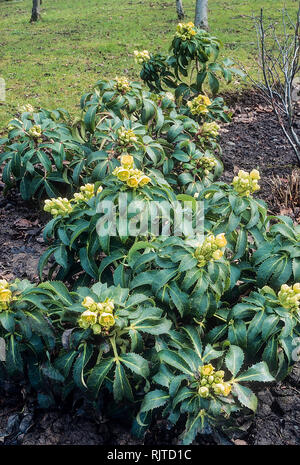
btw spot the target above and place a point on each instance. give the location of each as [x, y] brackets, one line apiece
[40, 154]
[194, 52]
[149, 319]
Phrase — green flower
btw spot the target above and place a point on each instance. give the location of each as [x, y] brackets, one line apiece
[246, 183]
[59, 206]
[203, 391]
[96, 329]
[35, 131]
[87, 319]
[186, 31]
[210, 130]
[198, 106]
[289, 297]
[126, 136]
[107, 320]
[210, 249]
[122, 84]
[141, 57]
[207, 164]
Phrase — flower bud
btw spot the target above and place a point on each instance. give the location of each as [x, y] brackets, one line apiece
[203, 391]
[296, 288]
[96, 329]
[4, 284]
[127, 161]
[218, 388]
[221, 240]
[217, 255]
[255, 174]
[5, 298]
[88, 302]
[227, 389]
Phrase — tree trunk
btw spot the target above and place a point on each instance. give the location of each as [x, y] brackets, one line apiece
[179, 9]
[201, 14]
[36, 10]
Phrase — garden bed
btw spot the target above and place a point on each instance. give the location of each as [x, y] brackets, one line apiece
[252, 140]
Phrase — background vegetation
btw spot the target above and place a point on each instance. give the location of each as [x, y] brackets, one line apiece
[53, 62]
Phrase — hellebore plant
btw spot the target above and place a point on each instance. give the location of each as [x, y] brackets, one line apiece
[152, 317]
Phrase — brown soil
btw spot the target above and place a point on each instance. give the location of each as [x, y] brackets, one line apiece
[252, 140]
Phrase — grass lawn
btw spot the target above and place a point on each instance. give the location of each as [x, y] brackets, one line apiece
[53, 62]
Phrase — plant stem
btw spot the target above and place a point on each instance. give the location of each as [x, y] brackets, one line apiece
[114, 347]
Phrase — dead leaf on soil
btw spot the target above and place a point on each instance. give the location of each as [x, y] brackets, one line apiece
[287, 212]
[8, 276]
[22, 223]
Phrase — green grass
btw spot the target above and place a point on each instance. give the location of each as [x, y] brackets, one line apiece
[53, 62]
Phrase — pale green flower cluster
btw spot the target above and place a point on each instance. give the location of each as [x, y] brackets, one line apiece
[210, 249]
[86, 193]
[5, 295]
[26, 108]
[10, 127]
[207, 164]
[186, 31]
[198, 106]
[127, 173]
[126, 136]
[170, 96]
[122, 84]
[35, 132]
[97, 316]
[62, 206]
[246, 183]
[212, 382]
[210, 130]
[289, 296]
[142, 56]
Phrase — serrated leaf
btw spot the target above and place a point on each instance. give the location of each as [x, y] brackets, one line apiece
[64, 363]
[270, 354]
[234, 359]
[140, 424]
[98, 375]
[14, 362]
[258, 372]
[296, 269]
[174, 360]
[135, 363]
[121, 386]
[81, 362]
[195, 339]
[245, 396]
[154, 399]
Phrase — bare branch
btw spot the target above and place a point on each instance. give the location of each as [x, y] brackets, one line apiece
[279, 63]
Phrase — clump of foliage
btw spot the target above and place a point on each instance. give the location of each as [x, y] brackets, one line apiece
[194, 55]
[178, 325]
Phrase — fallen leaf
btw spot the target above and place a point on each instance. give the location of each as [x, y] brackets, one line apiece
[287, 212]
[22, 223]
